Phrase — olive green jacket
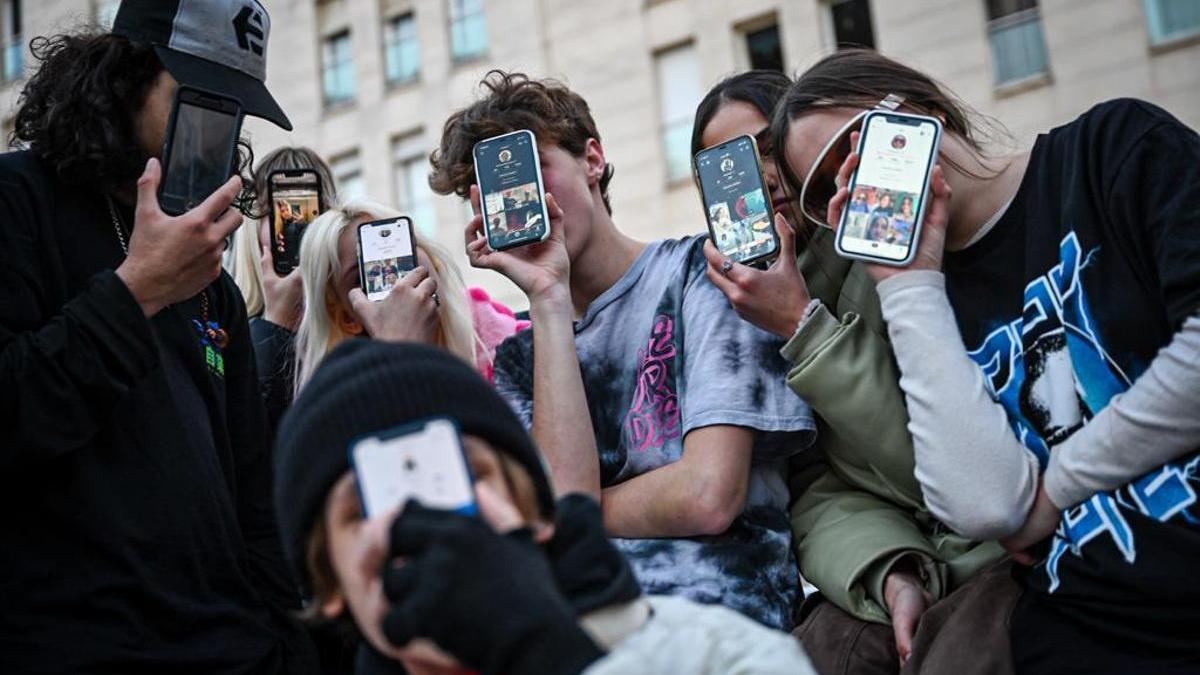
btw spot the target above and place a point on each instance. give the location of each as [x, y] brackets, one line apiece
[865, 510]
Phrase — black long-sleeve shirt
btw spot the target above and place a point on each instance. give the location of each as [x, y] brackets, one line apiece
[135, 478]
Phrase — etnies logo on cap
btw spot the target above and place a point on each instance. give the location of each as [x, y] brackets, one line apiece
[248, 26]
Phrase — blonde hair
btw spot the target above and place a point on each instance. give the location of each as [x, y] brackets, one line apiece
[319, 332]
[246, 254]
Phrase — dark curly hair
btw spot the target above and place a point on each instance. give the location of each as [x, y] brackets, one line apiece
[77, 112]
[513, 101]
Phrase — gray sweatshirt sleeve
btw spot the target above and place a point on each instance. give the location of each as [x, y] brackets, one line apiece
[977, 477]
[1155, 421]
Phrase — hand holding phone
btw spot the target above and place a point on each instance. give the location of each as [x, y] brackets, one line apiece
[889, 188]
[736, 201]
[932, 243]
[171, 259]
[201, 149]
[409, 313]
[386, 252]
[425, 461]
[541, 270]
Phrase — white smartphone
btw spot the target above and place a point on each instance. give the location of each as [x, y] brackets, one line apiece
[511, 190]
[386, 253]
[889, 192]
[423, 461]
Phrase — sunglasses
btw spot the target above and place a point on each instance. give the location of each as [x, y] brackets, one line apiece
[820, 185]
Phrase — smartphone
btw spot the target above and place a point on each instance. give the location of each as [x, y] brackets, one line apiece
[889, 192]
[511, 189]
[737, 201]
[386, 252]
[294, 196]
[201, 148]
[423, 461]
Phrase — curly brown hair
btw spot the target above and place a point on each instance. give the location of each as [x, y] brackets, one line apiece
[78, 112]
[513, 101]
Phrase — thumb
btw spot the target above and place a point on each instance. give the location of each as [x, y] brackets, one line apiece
[903, 628]
[359, 301]
[474, 197]
[787, 239]
[147, 189]
[556, 217]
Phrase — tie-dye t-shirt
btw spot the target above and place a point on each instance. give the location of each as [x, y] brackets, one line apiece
[663, 353]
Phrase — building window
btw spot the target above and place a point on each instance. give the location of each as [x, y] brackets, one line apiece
[401, 50]
[1171, 20]
[347, 173]
[764, 48]
[14, 46]
[1018, 45]
[468, 29]
[338, 60]
[410, 172]
[849, 24]
[679, 93]
[106, 13]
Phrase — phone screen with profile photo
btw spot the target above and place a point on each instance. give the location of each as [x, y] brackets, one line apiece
[424, 461]
[888, 190]
[510, 186]
[386, 252]
[735, 200]
[295, 202]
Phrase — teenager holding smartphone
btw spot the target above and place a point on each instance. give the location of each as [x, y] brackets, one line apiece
[1048, 337]
[657, 402]
[863, 534]
[138, 528]
[274, 302]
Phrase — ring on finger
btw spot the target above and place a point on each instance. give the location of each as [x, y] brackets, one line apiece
[437, 301]
[726, 266]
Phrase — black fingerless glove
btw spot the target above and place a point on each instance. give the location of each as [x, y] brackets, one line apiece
[591, 573]
[489, 600]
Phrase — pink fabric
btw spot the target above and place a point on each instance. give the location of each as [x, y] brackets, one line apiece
[494, 322]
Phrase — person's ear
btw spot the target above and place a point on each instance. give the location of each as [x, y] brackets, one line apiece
[345, 321]
[593, 155]
[333, 606]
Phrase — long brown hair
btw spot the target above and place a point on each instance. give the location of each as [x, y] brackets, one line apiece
[861, 78]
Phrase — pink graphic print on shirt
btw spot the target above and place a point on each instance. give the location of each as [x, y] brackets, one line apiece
[653, 417]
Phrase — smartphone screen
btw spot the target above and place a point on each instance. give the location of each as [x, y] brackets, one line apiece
[295, 201]
[888, 191]
[200, 149]
[386, 252]
[735, 200]
[510, 184]
[425, 462]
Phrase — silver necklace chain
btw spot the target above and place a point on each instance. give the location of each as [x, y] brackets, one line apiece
[117, 227]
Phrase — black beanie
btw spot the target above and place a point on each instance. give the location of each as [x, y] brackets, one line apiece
[364, 387]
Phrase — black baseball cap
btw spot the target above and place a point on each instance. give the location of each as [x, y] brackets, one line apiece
[214, 45]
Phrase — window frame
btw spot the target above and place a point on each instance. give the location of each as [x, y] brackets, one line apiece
[1157, 40]
[455, 19]
[388, 44]
[327, 65]
[1027, 81]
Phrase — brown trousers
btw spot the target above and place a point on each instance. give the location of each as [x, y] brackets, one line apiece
[966, 633]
